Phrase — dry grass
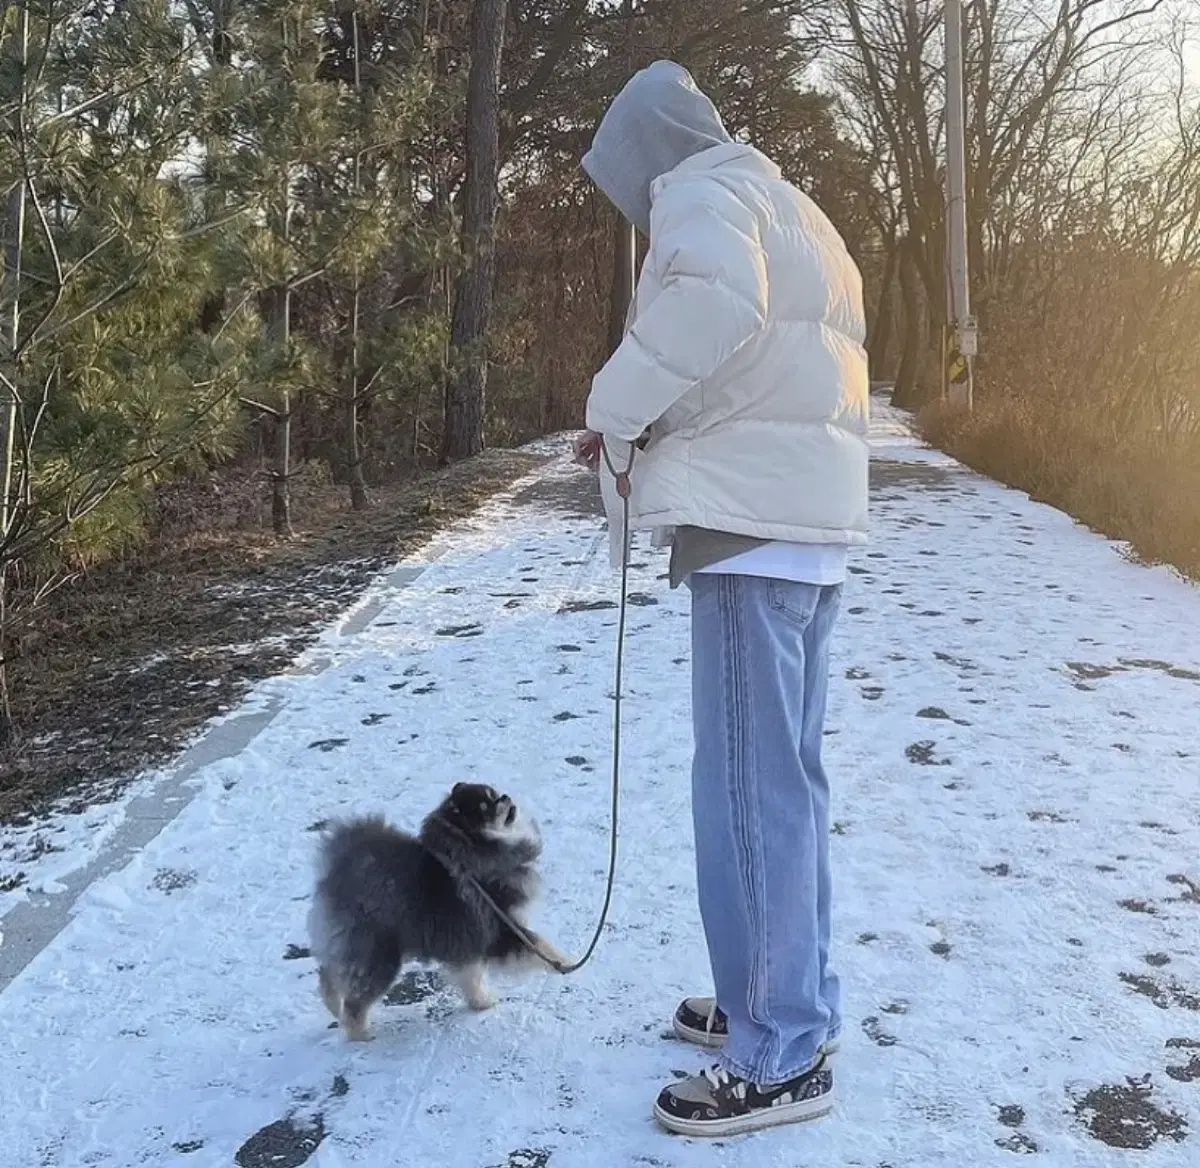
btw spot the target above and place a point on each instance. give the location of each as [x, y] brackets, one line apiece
[1138, 488]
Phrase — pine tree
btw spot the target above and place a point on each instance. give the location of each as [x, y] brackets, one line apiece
[283, 129]
[389, 104]
[105, 389]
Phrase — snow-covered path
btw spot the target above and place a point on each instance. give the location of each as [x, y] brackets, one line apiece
[1014, 746]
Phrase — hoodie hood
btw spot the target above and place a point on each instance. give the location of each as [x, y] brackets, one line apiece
[656, 122]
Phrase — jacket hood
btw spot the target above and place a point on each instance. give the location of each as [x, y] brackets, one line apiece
[660, 119]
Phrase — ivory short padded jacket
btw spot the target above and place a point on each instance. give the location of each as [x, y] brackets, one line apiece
[745, 360]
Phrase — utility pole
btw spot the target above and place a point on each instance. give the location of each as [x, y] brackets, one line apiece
[964, 331]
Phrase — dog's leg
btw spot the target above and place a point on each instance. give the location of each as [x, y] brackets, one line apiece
[364, 985]
[354, 1020]
[472, 984]
[329, 993]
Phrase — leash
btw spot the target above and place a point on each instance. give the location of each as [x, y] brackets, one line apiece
[530, 941]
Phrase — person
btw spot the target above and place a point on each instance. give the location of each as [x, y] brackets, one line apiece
[744, 377]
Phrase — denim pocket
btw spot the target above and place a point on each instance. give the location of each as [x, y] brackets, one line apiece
[796, 602]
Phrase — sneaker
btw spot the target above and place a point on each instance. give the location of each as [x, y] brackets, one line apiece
[719, 1103]
[701, 1022]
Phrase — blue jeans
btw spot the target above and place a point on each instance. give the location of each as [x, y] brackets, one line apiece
[760, 803]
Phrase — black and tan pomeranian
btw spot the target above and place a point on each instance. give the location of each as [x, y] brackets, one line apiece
[385, 897]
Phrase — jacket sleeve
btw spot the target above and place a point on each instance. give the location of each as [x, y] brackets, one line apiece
[706, 250]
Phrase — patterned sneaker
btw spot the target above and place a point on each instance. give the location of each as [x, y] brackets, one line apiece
[702, 1022]
[718, 1103]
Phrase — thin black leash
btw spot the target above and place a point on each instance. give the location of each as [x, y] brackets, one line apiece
[530, 943]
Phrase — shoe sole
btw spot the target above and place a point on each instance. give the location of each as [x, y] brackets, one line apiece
[709, 1041]
[768, 1117]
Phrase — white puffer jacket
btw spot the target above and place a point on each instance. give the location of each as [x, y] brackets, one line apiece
[744, 359]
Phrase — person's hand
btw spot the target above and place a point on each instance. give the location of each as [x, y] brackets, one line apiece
[586, 449]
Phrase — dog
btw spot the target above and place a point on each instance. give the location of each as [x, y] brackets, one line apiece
[385, 897]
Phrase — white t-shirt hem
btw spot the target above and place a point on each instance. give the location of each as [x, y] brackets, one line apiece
[822, 564]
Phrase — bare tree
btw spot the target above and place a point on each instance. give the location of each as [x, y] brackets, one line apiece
[1031, 71]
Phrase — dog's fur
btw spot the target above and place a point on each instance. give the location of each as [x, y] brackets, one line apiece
[385, 897]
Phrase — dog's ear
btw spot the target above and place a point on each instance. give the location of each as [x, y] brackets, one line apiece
[458, 789]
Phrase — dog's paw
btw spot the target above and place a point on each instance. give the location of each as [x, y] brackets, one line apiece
[357, 1031]
[485, 1000]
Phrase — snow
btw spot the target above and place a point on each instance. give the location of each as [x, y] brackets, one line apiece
[36, 856]
[1013, 746]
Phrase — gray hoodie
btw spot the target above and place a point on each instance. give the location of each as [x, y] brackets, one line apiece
[659, 119]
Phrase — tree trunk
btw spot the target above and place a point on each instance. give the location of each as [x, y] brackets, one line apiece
[905, 394]
[466, 391]
[358, 484]
[10, 306]
[621, 292]
[10, 298]
[359, 500]
[279, 330]
[879, 341]
[624, 237]
[212, 311]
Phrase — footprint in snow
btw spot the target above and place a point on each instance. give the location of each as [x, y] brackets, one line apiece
[572, 606]
[922, 754]
[291, 1141]
[325, 745]
[1018, 1143]
[170, 880]
[460, 631]
[526, 1158]
[1188, 1072]
[1135, 904]
[417, 985]
[286, 1143]
[1191, 889]
[874, 1030]
[1125, 1116]
[1164, 994]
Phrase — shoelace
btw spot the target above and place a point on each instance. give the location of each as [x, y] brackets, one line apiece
[719, 1079]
